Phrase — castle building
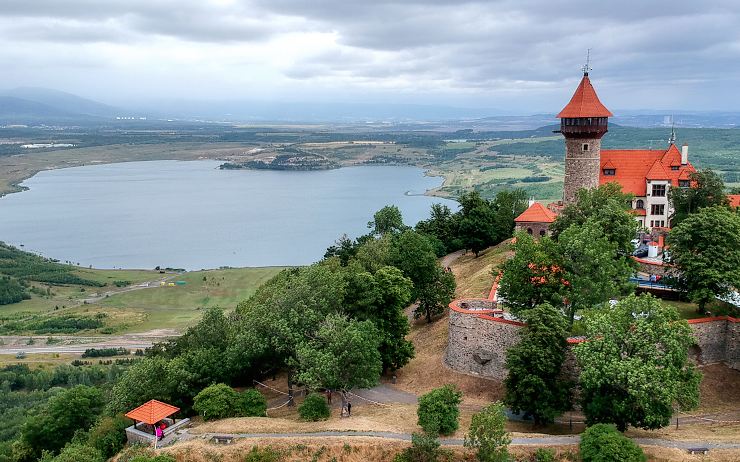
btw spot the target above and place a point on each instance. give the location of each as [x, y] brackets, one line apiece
[647, 174]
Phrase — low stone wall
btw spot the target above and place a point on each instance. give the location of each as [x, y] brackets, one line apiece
[478, 338]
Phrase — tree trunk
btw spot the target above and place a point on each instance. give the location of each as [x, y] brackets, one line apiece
[345, 401]
[291, 401]
[429, 316]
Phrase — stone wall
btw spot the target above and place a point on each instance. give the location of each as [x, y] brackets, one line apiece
[477, 342]
[535, 227]
[581, 167]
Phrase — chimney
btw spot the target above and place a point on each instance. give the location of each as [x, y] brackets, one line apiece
[531, 201]
[684, 154]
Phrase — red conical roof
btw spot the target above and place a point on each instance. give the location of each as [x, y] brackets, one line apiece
[584, 103]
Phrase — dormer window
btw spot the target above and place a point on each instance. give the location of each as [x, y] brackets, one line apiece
[684, 183]
[675, 167]
[610, 171]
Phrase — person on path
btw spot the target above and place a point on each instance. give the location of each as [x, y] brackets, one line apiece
[328, 396]
[349, 409]
[158, 432]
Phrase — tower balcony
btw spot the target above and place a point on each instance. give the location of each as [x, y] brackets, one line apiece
[584, 127]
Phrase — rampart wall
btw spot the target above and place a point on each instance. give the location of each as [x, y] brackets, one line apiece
[479, 335]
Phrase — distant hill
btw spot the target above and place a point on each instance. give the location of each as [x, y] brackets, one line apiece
[28, 104]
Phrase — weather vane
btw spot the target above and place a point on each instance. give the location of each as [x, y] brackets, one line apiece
[587, 67]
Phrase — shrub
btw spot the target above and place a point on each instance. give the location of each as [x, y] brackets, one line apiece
[314, 408]
[424, 448]
[438, 410]
[544, 455]
[139, 453]
[77, 453]
[488, 434]
[216, 402]
[109, 435]
[267, 454]
[604, 443]
[251, 403]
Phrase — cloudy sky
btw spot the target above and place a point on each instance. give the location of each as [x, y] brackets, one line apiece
[516, 55]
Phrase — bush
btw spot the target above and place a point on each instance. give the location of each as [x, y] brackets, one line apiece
[544, 455]
[109, 435]
[604, 443]
[267, 454]
[105, 352]
[424, 448]
[314, 408]
[488, 434]
[251, 403]
[216, 402]
[77, 453]
[139, 453]
[438, 410]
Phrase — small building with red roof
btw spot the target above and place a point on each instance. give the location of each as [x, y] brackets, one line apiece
[535, 220]
[734, 200]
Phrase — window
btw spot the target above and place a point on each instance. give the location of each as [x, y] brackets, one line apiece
[585, 147]
[610, 172]
[529, 230]
[684, 183]
[659, 190]
[674, 167]
[657, 209]
[640, 204]
[542, 232]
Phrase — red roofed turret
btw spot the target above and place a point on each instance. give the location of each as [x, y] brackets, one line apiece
[584, 103]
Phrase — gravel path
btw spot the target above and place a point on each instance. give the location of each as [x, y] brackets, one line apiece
[536, 441]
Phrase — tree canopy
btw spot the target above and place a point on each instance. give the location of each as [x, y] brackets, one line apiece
[634, 364]
[707, 190]
[705, 247]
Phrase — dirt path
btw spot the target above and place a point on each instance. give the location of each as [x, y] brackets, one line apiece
[14, 344]
[144, 285]
[543, 440]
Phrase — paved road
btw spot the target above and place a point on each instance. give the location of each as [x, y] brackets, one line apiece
[536, 441]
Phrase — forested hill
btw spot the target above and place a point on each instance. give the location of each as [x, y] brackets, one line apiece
[18, 269]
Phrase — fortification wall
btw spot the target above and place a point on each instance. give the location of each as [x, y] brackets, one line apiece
[479, 335]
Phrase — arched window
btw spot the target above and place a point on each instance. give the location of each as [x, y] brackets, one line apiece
[640, 204]
[542, 232]
[529, 230]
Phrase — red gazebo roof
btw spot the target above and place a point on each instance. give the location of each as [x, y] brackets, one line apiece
[536, 213]
[152, 412]
[584, 103]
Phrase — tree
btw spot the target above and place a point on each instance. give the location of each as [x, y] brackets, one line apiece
[424, 448]
[436, 295]
[535, 384]
[217, 401]
[109, 435]
[507, 206]
[76, 453]
[707, 190]
[606, 207]
[344, 249]
[705, 247]
[251, 403]
[477, 229]
[342, 354]
[488, 435]
[593, 271]
[70, 410]
[603, 443]
[439, 410]
[387, 220]
[443, 225]
[147, 379]
[634, 364]
[533, 276]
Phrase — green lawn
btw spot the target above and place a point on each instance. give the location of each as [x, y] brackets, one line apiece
[176, 307]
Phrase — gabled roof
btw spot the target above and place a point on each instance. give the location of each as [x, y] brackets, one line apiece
[584, 103]
[152, 412]
[635, 166]
[608, 164]
[536, 213]
[734, 200]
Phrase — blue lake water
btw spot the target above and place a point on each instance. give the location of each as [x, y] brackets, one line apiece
[193, 215]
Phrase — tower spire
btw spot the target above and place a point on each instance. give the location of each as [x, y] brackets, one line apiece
[672, 139]
[587, 67]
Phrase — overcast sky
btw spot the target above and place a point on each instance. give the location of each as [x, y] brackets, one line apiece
[517, 55]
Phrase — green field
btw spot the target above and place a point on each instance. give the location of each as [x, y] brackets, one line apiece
[158, 307]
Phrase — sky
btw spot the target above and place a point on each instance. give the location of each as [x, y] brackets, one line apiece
[517, 56]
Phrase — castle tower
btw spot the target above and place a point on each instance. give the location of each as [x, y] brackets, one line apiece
[583, 122]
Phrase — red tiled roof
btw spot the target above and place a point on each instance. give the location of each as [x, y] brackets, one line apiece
[635, 166]
[641, 212]
[536, 213]
[152, 412]
[734, 200]
[584, 103]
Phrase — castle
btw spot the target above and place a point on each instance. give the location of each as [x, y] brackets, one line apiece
[645, 173]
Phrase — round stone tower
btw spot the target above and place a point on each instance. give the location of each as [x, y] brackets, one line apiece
[583, 122]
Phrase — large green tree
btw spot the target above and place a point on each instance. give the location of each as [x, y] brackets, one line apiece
[535, 384]
[488, 435]
[634, 364]
[436, 295]
[444, 225]
[606, 207]
[705, 247]
[387, 220]
[707, 190]
[343, 354]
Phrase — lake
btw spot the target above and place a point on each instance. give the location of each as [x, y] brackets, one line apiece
[190, 214]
